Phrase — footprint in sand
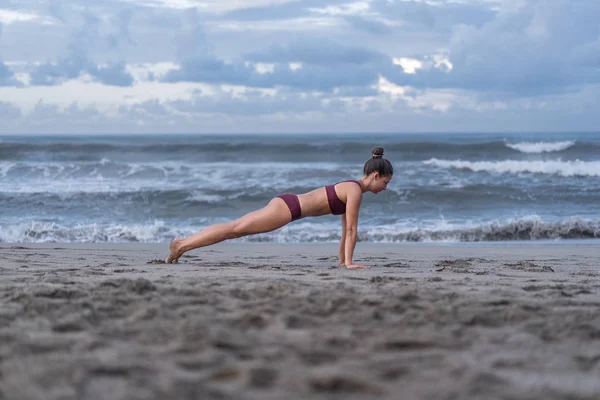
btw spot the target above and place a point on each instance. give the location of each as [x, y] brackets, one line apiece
[396, 265]
[330, 258]
[457, 266]
[529, 266]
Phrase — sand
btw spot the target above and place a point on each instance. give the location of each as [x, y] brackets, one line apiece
[264, 321]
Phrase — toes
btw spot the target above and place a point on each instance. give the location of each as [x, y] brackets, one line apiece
[170, 260]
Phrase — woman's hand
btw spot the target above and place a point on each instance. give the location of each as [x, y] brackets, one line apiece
[357, 266]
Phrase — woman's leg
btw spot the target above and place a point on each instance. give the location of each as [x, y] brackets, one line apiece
[273, 216]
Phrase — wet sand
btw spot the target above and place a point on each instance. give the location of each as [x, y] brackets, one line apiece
[264, 321]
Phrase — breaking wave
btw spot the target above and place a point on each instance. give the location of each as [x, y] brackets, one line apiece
[558, 167]
[541, 147]
[521, 229]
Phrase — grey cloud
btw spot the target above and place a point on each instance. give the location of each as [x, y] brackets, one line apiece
[319, 77]
[51, 74]
[113, 74]
[524, 52]
[326, 66]
[293, 9]
[123, 21]
[357, 91]
[210, 70]
[9, 111]
[44, 113]
[7, 76]
[575, 111]
[317, 52]
[254, 103]
[309, 77]
[148, 108]
[56, 10]
[440, 17]
[159, 18]
[374, 27]
[191, 40]
[588, 55]
[78, 61]
[491, 52]
[5, 73]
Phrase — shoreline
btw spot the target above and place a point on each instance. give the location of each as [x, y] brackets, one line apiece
[540, 242]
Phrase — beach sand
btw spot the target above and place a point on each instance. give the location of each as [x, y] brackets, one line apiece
[265, 321]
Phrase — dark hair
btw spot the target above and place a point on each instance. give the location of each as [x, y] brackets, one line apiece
[378, 164]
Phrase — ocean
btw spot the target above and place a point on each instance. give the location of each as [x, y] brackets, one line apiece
[450, 188]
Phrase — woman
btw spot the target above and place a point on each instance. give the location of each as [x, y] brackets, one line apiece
[342, 198]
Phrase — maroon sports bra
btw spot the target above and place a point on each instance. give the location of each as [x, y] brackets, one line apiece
[337, 206]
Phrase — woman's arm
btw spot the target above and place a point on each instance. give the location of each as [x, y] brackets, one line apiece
[353, 201]
[342, 254]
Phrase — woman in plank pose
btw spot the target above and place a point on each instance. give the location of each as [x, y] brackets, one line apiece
[342, 198]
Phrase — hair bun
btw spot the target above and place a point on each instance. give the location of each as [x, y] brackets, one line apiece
[377, 152]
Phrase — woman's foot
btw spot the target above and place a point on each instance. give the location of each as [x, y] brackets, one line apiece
[174, 251]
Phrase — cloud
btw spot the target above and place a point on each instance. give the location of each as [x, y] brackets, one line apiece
[274, 11]
[176, 4]
[308, 77]
[463, 63]
[7, 76]
[436, 17]
[354, 8]
[78, 62]
[588, 55]
[9, 16]
[325, 66]
[210, 70]
[524, 51]
[371, 26]
[111, 74]
[56, 10]
[251, 102]
[322, 52]
[210, 6]
[9, 111]
[253, 110]
[191, 41]
[321, 77]
[307, 16]
[123, 21]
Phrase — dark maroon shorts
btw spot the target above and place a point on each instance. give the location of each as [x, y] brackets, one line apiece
[293, 204]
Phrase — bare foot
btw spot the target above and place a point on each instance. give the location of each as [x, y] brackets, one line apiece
[174, 251]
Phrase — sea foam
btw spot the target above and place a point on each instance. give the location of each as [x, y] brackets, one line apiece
[558, 167]
[540, 147]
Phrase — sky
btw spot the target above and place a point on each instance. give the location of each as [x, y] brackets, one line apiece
[290, 66]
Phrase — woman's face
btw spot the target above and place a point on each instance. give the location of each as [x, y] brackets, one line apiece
[380, 182]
